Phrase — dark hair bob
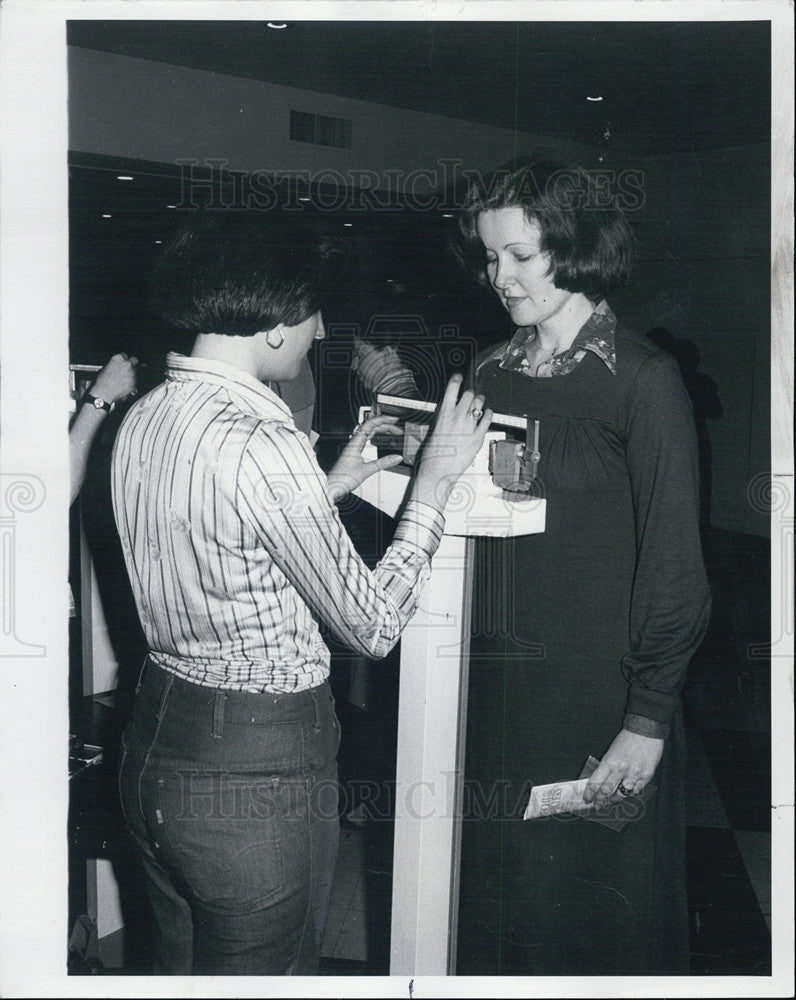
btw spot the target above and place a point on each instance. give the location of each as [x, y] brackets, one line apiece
[238, 272]
[583, 228]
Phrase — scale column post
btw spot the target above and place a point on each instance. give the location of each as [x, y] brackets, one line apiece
[432, 715]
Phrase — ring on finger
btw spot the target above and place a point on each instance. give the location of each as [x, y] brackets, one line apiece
[476, 413]
[623, 789]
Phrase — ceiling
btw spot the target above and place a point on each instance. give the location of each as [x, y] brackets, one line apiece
[665, 86]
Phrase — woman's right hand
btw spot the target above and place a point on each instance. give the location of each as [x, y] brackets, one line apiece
[454, 442]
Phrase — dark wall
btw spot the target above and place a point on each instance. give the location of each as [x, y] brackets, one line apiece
[703, 275]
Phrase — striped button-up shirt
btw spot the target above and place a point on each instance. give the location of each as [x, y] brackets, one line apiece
[235, 551]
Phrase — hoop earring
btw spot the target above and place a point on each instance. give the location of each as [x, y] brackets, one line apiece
[274, 347]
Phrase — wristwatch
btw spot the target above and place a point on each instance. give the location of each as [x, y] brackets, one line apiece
[97, 402]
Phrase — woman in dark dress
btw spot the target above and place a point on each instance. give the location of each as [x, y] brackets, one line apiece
[598, 616]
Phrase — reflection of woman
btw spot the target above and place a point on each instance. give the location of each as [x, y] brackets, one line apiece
[604, 609]
[236, 555]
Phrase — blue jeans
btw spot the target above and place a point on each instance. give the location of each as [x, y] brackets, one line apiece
[231, 799]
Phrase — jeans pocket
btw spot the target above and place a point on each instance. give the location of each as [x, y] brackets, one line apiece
[238, 840]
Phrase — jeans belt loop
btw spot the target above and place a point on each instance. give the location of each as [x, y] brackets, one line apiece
[141, 674]
[315, 695]
[218, 714]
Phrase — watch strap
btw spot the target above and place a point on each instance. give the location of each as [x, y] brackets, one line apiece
[97, 402]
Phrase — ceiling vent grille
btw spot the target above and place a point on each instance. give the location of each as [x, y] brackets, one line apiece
[320, 129]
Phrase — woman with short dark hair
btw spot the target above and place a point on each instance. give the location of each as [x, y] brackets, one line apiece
[237, 558]
[581, 227]
[237, 272]
[603, 610]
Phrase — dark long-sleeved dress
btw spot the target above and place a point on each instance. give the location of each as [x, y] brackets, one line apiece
[578, 632]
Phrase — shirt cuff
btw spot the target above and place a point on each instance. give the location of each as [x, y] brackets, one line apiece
[421, 526]
[642, 726]
[654, 705]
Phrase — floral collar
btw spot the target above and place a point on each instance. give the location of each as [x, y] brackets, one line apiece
[596, 335]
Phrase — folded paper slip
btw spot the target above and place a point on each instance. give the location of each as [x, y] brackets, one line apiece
[566, 797]
[560, 797]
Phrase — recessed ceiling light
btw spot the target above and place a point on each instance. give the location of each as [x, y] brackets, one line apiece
[305, 198]
[105, 216]
[594, 98]
[348, 224]
[277, 25]
[124, 177]
[158, 241]
[447, 215]
[171, 206]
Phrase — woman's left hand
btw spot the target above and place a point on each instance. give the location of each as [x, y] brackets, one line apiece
[629, 762]
[351, 469]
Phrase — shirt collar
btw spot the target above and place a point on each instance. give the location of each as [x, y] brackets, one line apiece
[248, 391]
[596, 335]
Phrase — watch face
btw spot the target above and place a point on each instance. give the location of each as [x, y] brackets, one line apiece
[98, 402]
